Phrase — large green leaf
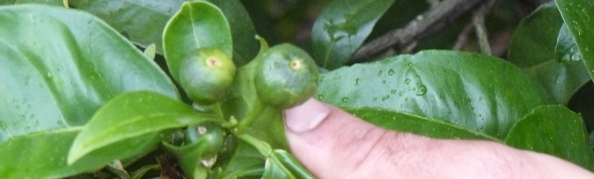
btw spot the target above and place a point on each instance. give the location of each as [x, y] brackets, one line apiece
[404, 122]
[561, 78]
[534, 40]
[554, 130]
[59, 66]
[578, 15]
[566, 73]
[245, 46]
[133, 116]
[43, 154]
[341, 28]
[482, 93]
[196, 25]
[535, 46]
[142, 20]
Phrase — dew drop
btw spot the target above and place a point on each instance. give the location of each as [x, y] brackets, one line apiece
[391, 72]
[386, 97]
[320, 96]
[407, 81]
[393, 91]
[422, 90]
[379, 73]
[357, 81]
[345, 99]
[375, 99]
[322, 79]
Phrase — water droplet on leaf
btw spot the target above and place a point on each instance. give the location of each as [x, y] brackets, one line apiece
[345, 99]
[320, 96]
[391, 72]
[422, 90]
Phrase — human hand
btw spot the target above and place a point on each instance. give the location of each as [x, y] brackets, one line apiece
[334, 144]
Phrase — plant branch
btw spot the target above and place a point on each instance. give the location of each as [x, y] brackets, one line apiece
[433, 21]
[478, 20]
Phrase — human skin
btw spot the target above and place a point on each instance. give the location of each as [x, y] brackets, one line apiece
[334, 144]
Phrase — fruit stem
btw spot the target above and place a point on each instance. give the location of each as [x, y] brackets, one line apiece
[250, 118]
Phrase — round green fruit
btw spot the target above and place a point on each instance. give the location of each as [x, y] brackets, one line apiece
[285, 76]
[207, 75]
[211, 132]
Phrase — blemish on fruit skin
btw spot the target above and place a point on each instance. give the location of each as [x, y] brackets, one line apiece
[212, 62]
[295, 64]
[202, 130]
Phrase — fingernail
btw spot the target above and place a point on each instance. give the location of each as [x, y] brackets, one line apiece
[306, 116]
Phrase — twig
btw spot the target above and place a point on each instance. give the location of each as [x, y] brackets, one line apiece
[463, 37]
[478, 20]
[435, 19]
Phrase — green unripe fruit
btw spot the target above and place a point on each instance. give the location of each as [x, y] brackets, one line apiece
[207, 75]
[211, 132]
[285, 76]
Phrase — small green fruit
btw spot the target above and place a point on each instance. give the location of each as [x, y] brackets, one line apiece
[207, 75]
[285, 76]
[211, 132]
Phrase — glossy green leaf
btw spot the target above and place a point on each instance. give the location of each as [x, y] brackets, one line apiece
[536, 45]
[578, 17]
[142, 21]
[188, 157]
[246, 161]
[561, 78]
[273, 169]
[403, 122]
[196, 25]
[245, 47]
[292, 164]
[60, 65]
[566, 49]
[482, 93]
[43, 154]
[533, 42]
[554, 130]
[133, 116]
[341, 28]
[566, 73]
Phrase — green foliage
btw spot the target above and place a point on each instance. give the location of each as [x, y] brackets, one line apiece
[58, 70]
[489, 96]
[341, 28]
[77, 97]
[556, 130]
[196, 25]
